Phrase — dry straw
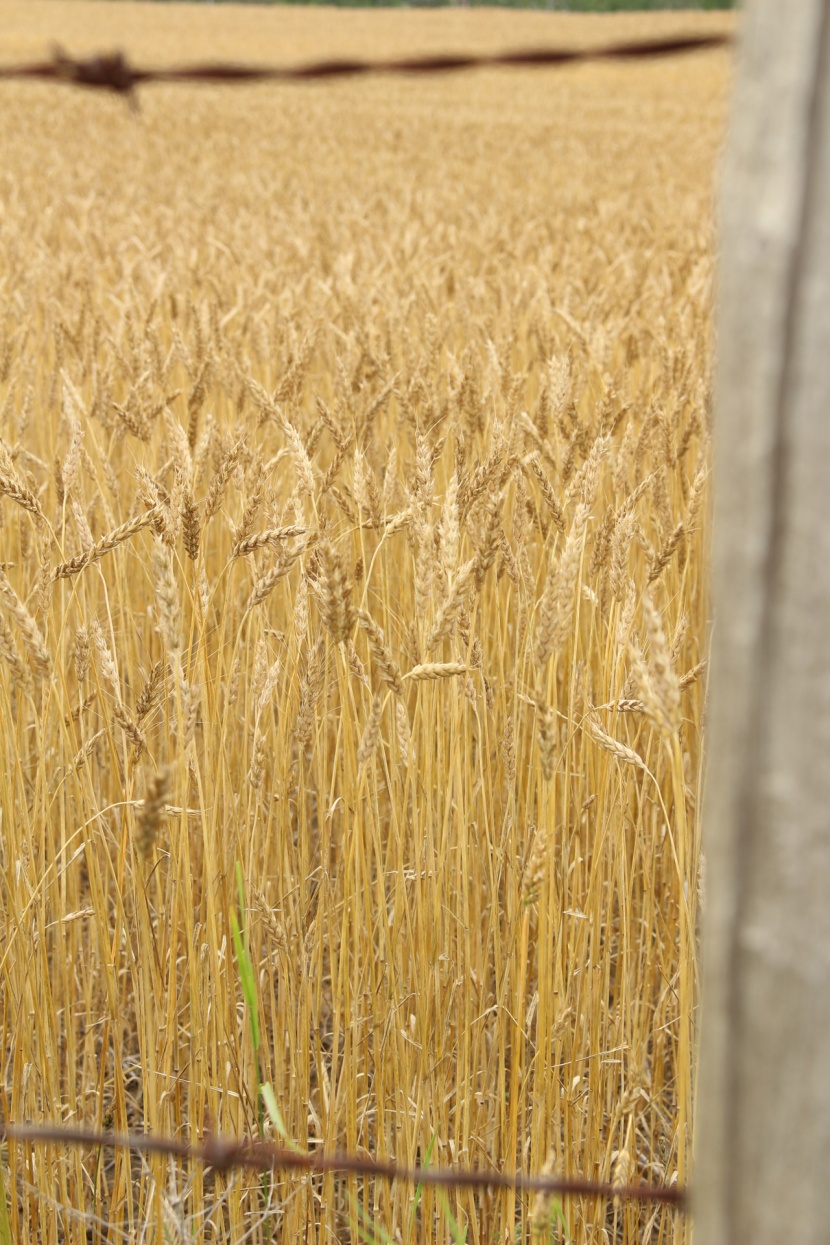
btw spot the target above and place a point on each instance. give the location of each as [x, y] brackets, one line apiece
[420, 446]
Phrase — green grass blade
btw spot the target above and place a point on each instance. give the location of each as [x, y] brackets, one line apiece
[240, 898]
[247, 979]
[5, 1226]
[557, 1215]
[269, 1098]
[458, 1235]
[369, 1231]
[419, 1188]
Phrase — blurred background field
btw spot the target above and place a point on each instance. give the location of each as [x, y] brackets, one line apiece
[353, 491]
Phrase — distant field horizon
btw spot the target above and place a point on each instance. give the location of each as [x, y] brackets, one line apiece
[299, 31]
[560, 6]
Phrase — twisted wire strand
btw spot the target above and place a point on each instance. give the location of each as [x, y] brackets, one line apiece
[224, 1154]
[114, 72]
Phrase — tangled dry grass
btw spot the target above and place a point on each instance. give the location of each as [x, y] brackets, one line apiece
[353, 499]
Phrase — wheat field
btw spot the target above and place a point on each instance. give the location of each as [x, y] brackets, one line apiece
[354, 443]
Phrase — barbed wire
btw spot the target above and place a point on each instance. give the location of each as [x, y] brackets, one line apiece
[113, 71]
[224, 1155]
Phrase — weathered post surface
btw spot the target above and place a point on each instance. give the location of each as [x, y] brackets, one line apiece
[762, 1171]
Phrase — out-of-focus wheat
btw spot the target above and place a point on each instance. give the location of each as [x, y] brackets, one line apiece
[353, 478]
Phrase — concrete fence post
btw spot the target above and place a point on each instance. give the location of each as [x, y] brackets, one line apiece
[762, 1141]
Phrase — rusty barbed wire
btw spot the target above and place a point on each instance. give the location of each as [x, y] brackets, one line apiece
[113, 71]
[225, 1155]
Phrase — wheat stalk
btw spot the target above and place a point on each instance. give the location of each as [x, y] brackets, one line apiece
[436, 670]
[617, 749]
[151, 811]
[103, 546]
[11, 487]
[33, 641]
